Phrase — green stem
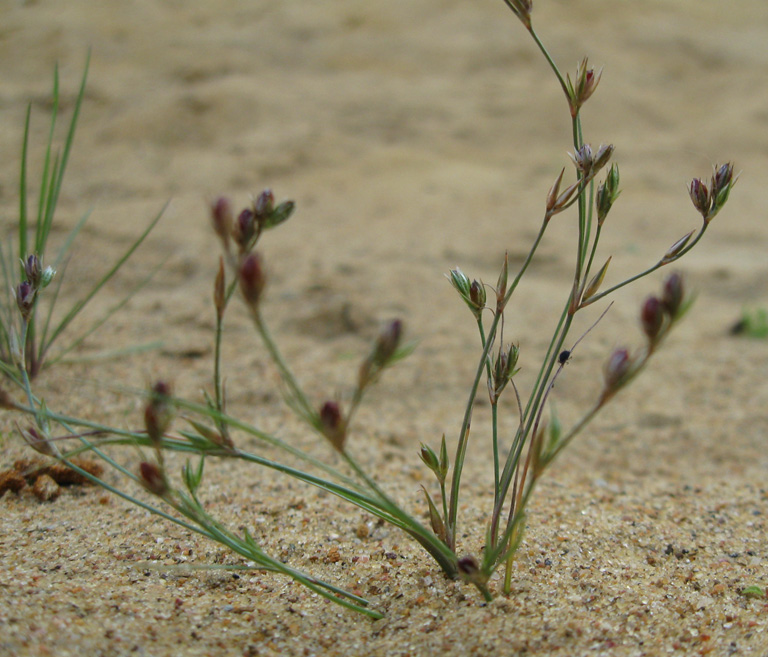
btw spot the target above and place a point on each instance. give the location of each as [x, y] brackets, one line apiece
[217, 362]
[494, 412]
[661, 263]
[550, 61]
[558, 339]
[297, 394]
[442, 553]
[206, 526]
[495, 440]
[461, 448]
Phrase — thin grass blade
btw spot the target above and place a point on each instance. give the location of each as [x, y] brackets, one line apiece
[57, 177]
[23, 217]
[103, 281]
[71, 236]
[44, 202]
[105, 318]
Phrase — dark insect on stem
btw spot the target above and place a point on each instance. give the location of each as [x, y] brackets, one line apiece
[564, 357]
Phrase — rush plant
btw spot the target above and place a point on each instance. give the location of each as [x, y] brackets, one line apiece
[28, 329]
[585, 190]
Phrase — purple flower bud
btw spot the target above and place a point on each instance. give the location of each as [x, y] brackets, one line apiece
[616, 369]
[589, 78]
[252, 278]
[221, 217]
[161, 390]
[722, 178]
[384, 351]
[652, 317]
[477, 295]
[152, 478]
[33, 270]
[722, 182]
[584, 159]
[700, 197]
[25, 298]
[586, 82]
[504, 368]
[472, 293]
[332, 424]
[263, 206]
[158, 412]
[673, 294]
[244, 229]
[330, 415]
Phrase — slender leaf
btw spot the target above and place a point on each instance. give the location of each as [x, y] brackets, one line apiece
[73, 312]
[74, 344]
[23, 186]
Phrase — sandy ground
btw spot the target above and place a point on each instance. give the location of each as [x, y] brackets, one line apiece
[414, 137]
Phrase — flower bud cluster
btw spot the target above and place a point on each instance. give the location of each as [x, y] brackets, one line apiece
[503, 371]
[589, 163]
[438, 465]
[521, 9]
[330, 420]
[659, 313]
[582, 87]
[36, 279]
[245, 230]
[708, 201]
[657, 316]
[473, 292]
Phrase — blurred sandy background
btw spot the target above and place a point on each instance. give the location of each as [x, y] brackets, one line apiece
[415, 136]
